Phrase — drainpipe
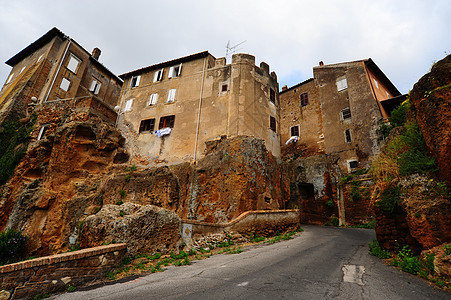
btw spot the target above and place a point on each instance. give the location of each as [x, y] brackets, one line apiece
[57, 71]
[198, 113]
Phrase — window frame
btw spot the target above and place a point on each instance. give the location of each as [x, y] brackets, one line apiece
[158, 75]
[166, 120]
[272, 96]
[128, 107]
[345, 114]
[95, 86]
[73, 57]
[171, 96]
[153, 99]
[134, 81]
[348, 136]
[23, 69]
[147, 125]
[9, 78]
[273, 124]
[304, 99]
[175, 71]
[63, 86]
[297, 128]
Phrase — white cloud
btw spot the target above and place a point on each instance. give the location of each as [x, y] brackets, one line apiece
[402, 37]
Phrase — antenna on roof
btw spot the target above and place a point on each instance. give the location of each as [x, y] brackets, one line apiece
[232, 49]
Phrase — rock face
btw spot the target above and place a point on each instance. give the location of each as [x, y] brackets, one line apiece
[431, 100]
[145, 229]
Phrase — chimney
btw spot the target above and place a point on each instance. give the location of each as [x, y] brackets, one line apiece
[321, 63]
[96, 53]
[284, 88]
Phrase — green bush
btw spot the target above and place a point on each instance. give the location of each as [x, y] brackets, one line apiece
[335, 221]
[407, 261]
[398, 115]
[330, 203]
[355, 193]
[389, 199]
[12, 246]
[377, 251]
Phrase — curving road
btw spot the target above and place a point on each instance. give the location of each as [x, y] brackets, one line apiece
[319, 263]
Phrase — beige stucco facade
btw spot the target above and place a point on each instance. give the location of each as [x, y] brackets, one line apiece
[200, 98]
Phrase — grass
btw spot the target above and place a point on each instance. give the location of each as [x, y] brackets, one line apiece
[377, 251]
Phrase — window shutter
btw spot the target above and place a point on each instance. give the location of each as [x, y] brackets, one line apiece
[155, 76]
[161, 74]
[141, 126]
[180, 70]
[171, 72]
[93, 86]
[171, 95]
[138, 78]
[97, 88]
[171, 121]
[161, 124]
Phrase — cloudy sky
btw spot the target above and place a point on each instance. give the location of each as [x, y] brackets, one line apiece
[403, 37]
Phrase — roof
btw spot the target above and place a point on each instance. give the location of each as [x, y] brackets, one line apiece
[297, 85]
[166, 64]
[39, 43]
[370, 64]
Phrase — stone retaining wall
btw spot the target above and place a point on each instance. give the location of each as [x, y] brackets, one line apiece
[56, 273]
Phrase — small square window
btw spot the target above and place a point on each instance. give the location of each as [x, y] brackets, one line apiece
[352, 165]
[272, 123]
[166, 121]
[272, 96]
[294, 130]
[147, 125]
[135, 81]
[304, 99]
[348, 138]
[95, 86]
[128, 105]
[153, 99]
[171, 96]
[73, 63]
[174, 71]
[342, 84]
[158, 76]
[65, 84]
[224, 88]
[345, 114]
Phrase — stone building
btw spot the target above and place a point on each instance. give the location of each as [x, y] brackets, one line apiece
[56, 68]
[169, 110]
[338, 112]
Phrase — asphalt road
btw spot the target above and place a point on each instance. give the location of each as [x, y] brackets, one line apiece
[319, 263]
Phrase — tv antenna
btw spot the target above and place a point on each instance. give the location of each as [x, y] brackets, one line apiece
[232, 49]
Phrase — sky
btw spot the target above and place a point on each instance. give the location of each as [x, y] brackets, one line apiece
[403, 37]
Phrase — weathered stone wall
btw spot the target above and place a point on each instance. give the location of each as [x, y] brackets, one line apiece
[51, 274]
[357, 201]
[431, 101]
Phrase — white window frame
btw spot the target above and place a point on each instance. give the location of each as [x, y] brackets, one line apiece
[174, 71]
[65, 84]
[128, 105]
[73, 63]
[9, 78]
[342, 116]
[153, 99]
[158, 76]
[40, 57]
[348, 164]
[42, 131]
[299, 130]
[22, 70]
[135, 80]
[342, 84]
[95, 86]
[171, 96]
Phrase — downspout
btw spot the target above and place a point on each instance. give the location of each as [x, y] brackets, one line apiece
[198, 113]
[57, 71]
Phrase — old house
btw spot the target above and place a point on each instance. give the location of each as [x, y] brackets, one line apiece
[338, 112]
[169, 110]
[55, 68]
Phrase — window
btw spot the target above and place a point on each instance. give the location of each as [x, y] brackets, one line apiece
[174, 71]
[167, 121]
[22, 70]
[272, 123]
[345, 114]
[224, 88]
[73, 63]
[342, 84]
[135, 81]
[65, 84]
[128, 105]
[376, 83]
[294, 130]
[158, 75]
[171, 96]
[9, 78]
[95, 86]
[272, 96]
[147, 125]
[42, 131]
[348, 136]
[388, 95]
[153, 99]
[352, 165]
[304, 99]
[40, 57]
